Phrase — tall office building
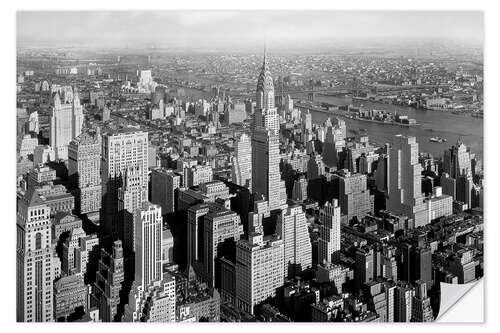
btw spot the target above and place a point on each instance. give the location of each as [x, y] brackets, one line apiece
[209, 226]
[405, 183]
[241, 171]
[464, 189]
[403, 303]
[259, 270]
[132, 193]
[421, 307]
[307, 121]
[66, 120]
[449, 185]
[266, 114]
[266, 176]
[84, 171]
[108, 284]
[34, 271]
[354, 197]
[457, 161]
[292, 226]
[334, 141]
[148, 242]
[164, 184]
[121, 150]
[329, 232]
[365, 266]
[299, 191]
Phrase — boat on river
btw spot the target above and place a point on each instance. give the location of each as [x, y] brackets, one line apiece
[437, 139]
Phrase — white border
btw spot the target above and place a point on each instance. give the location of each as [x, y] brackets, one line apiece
[492, 159]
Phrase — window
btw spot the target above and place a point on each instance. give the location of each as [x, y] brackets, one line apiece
[38, 241]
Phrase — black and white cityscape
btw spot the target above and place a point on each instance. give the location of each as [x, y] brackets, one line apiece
[247, 166]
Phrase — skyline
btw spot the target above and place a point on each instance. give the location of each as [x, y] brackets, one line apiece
[226, 29]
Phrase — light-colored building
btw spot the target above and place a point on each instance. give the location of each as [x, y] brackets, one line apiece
[148, 243]
[292, 226]
[266, 176]
[66, 121]
[28, 145]
[43, 154]
[242, 162]
[70, 292]
[167, 251]
[259, 270]
[216, 225]
[439, 204]
[34, 269]
[329, 232]
[457, 160]
[336, 273]
[84, 171]
[155, 304]
[121, 150]
[405, 183]
[354, 197]
[198, 174]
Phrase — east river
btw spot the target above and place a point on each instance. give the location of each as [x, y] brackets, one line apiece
[433, 123]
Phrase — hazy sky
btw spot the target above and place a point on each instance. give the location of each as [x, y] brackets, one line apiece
[226, 29]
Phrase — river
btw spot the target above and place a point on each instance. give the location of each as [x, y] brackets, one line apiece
[433, 123]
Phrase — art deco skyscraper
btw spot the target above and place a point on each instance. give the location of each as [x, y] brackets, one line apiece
[108, 284]
[266, 176]
[34, 260]
[242, 162]
[66, 120]
[292, 226]
[84, 170]
[121, 150]
[329, 232]
[148, 241]
[457, 161]
[405, 183]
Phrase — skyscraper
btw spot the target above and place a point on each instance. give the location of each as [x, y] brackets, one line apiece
[108, 284]
[132, 193]
[266, 176]
[457, 161]
[403, 304]
[299, 191]
[334, 141]
[292, 226]
[66, 120]
[34, 260]
[405, 183]
[354, 197]
[329, 232]
[163, 186]
[210, 225]
[121, 150]
[241, 171]
[148, 241]
[259, 270]
[84, 171]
